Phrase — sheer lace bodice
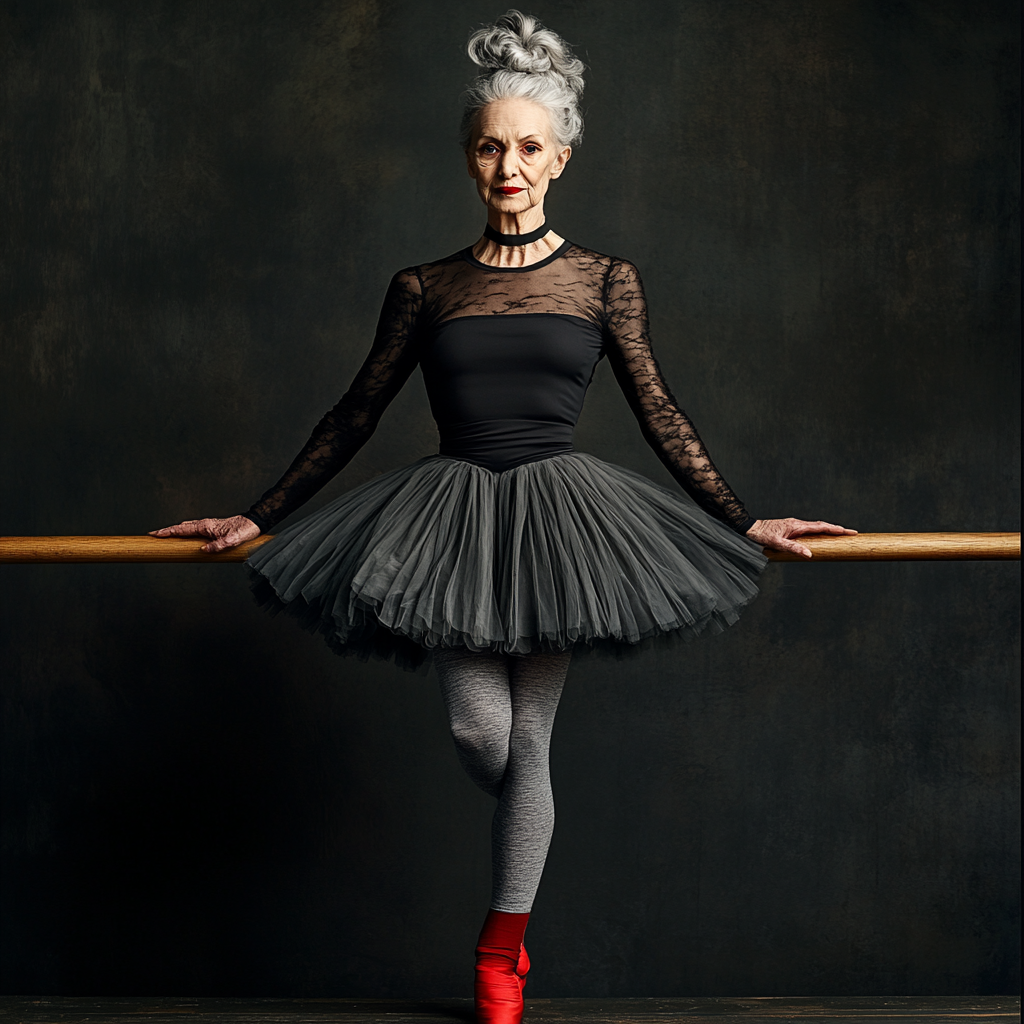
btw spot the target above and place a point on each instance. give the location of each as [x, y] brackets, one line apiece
[602, 297]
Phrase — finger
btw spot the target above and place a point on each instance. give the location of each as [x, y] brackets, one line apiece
[834, 528]
[797, 549]
[798, 528]
[180, 530]
[192, 530]
[195, 528]
[801, 528]
[230, 540]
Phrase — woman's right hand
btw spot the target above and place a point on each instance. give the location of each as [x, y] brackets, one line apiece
[221, 533]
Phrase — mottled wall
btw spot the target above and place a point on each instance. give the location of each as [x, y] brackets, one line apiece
[202, 204]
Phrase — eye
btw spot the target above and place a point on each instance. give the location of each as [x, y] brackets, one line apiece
[488, 149]
[531, 148]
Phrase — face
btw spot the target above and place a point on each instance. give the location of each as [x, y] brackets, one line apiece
[513, 155]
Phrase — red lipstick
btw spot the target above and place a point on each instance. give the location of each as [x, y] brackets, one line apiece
[510, 191]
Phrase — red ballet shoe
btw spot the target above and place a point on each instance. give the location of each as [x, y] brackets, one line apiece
[501, 968]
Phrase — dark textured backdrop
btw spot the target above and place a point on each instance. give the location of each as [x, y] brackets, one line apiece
[202, 204]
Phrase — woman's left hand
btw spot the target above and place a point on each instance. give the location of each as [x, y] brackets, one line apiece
[778, 534]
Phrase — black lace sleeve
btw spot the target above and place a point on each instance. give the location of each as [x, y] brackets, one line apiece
[348, 426]
[667, 429]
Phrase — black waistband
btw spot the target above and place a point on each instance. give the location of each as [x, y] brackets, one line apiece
[499, 445]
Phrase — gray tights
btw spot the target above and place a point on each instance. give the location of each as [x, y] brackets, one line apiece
[501, 709]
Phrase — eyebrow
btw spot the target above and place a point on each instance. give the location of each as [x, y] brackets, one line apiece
[532, 137]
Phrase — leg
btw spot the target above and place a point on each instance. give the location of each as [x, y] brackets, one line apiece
[525, 817]
[520, 836]
[501, 711]
[476, 694]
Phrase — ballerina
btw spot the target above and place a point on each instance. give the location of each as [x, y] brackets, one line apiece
[497, 556]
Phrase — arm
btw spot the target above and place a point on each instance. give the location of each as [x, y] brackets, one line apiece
[340, 433]
[666, 428]
[348, 426]
[670, 432]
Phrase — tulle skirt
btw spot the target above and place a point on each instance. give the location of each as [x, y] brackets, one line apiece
[563, 552]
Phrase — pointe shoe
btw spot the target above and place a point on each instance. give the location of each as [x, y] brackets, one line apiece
[501, 968]
[498, 989]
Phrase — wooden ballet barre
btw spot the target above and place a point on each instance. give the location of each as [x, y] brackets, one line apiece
[864, 547]
[907, 547]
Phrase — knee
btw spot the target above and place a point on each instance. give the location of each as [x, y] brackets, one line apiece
[530, 746]
[482, 744]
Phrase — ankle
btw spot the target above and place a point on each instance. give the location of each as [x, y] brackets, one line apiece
[502, 933]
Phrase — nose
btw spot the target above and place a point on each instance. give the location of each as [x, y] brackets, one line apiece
[509, 165]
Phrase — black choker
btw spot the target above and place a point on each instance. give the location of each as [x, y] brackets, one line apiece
[530, 236]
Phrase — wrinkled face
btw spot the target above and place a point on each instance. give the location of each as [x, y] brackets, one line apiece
[513, 155]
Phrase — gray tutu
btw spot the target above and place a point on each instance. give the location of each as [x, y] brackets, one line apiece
[566, 551]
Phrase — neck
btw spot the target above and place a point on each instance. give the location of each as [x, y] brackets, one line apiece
[516, 223]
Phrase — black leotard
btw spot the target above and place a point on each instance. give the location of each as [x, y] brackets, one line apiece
[507, 355]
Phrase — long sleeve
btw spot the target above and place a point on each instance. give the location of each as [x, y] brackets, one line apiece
[348, 426]
[666, 427]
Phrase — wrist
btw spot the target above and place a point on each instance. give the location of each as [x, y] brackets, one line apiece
[257, 520]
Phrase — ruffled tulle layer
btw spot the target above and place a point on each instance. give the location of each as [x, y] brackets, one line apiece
[566, 551]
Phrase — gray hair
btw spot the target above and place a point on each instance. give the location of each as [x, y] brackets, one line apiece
[524, 60]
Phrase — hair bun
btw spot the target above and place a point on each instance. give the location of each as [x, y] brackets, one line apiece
[522, 59]
[518, 42]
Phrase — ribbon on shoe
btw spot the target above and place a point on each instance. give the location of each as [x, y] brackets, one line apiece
[523, 966]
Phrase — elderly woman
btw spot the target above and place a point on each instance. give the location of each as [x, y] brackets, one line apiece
[507, 549]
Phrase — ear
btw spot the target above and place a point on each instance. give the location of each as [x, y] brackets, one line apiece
[560, 161]
[470, 163]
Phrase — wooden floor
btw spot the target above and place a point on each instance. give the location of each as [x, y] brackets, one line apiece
[915, 1010]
